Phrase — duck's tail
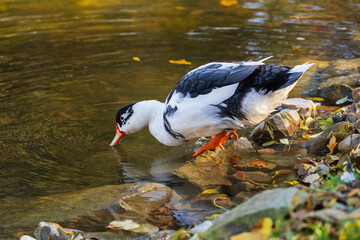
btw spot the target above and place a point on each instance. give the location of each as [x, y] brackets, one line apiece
[296, 72]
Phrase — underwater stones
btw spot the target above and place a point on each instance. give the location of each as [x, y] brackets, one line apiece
[349, 143]
[50, 231]
[352, 80]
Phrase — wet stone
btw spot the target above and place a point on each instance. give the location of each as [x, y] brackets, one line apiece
[306, 108]
[349, 143]
[332, 93]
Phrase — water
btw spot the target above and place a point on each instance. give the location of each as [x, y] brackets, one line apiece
[66, 67]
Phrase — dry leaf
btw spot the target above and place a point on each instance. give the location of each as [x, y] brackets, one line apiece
[293, 182]
[228, 3]
[266, 151]
[283, 172]
[327, 108]
[181, 61]
[258, 163]
[332, 144]
[261, 230]
[310, 137]
[296, 48]
[126, 225]
[136, 59]
[284, 141]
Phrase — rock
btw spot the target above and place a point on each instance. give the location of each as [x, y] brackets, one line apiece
[50, 231]
[163, 235]
[356, 94]
[332, 93]
[327, 215]
[351, 117]
[280, 125]
[319, 144]
[273, 203]
[26, 237]
[204, 226]
[353, 80]
[313, 179]
[349, 143]
[321, 169]
[305, 107]
[303, 168]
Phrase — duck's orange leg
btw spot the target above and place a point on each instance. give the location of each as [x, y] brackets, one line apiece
[216, 141]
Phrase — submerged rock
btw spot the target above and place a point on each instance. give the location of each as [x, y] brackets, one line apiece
[353, 80]
[332, 93]
[282, 124]
[212, 167]
[272, 203]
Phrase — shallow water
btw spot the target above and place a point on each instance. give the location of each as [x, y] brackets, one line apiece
[66, 67]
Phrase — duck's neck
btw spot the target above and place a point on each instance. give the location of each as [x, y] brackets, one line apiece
[154, 115]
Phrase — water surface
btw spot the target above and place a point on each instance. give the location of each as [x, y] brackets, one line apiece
[66, 67]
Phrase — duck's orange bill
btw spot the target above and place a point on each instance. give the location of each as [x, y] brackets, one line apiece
[118, 136]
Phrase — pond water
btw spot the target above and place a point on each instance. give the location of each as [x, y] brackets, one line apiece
[67, 66]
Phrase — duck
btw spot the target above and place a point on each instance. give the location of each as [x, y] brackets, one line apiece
[215, 99]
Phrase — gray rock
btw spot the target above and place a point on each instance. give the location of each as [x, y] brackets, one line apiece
[313, 179]
[272, 203]
[332, 93]
[163, 235]
[306, 108]
[349, 143]
[319, 144]
[282, 124]
[50, 231]
[356, 94]
[204, 226]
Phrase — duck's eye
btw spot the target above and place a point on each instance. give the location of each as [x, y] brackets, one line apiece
[121, 118]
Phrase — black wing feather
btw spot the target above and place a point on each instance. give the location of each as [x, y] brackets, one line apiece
[204, 79]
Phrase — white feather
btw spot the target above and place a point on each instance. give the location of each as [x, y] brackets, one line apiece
[301, 68]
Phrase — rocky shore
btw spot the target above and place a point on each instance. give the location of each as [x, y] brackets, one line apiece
[294, 176]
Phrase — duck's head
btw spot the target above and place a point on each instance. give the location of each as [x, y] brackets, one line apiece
[129, 119]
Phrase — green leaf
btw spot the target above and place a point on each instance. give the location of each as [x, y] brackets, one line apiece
[269, 143]
[342, 100]
[342, 130]
[324, 124]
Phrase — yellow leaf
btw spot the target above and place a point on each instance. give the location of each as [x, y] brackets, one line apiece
[261, 230]
[305, 125]
[310, 137]
[293, 182]
[210, 191]
[258, 163]
[283, 172]
[327, 108]
[332, 144]
[296, 48]
[294, 200]
[136, 59]
[318, 99]
[228, 3]
[181, 61]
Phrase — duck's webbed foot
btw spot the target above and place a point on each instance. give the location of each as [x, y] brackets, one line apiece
[217, 141]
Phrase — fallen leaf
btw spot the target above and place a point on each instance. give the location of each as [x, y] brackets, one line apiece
[310, 137]
[332, 144]
[214, 216]
[283, 172]
[181, 61]
[268, 143]
[209, 191]
[327, 108]
[293, 182]
[266, 151]
[228, 3]
[324, 124]
[261, 230]
[258, 163]
[295, 199]
[305, 124]
[284, 141]
[126, 225]
[342, 130]
[342, 100]
[136, 59]
[317, 99]
[296, 48]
